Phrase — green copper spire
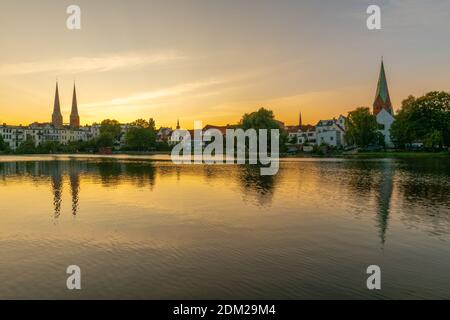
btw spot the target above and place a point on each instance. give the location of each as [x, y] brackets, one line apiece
[382, 99]
[382, 89]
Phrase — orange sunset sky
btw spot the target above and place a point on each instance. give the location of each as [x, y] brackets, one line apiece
[215, 60]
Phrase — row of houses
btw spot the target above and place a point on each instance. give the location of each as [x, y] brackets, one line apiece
[40, 133]
[329, 132]
[45, 132]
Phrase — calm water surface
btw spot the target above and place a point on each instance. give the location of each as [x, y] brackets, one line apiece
[149, 229]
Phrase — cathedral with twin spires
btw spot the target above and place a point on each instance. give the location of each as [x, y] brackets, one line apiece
[57, 117]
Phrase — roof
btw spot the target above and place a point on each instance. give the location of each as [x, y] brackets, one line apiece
[325, 123]
[382, 88]
[308, 127]
[291, 129]
[222, 129]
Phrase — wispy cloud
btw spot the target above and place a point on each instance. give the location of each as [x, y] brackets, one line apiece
[181, 92]
[148, 96]
[88, 64]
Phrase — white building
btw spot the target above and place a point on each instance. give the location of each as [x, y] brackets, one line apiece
[331, 132]
[40, 133]
[385, 121]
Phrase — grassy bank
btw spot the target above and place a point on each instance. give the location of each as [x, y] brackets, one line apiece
[397, 154]
[373, 155]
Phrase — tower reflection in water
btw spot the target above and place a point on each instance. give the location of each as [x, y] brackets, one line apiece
[57, 177]
[384, 195]
[110, 173]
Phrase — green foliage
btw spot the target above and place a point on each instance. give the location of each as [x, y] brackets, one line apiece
[27, 147]
[362, 128]
[261, 119]
[264, 119]
[110, 127]
[433, 139]
[425, 119]
[105, 139]
[49, 147]
[140, 138]
[79, 146]
[4, 147]
[140, 123]
[162, 146]
[150, 124]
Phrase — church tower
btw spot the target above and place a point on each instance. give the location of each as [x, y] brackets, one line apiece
[382, 99]
[57, 118]
[74, 117]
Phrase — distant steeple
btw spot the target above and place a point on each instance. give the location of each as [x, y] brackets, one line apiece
[74, 117]
[178, 124]
[57, 118]
[382, 98]
[300, 123]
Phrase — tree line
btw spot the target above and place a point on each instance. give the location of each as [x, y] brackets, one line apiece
[424, 120]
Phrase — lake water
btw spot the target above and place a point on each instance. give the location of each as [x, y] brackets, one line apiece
[144, 228]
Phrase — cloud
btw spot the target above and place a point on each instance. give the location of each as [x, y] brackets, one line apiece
[147, 96]
[88, 64]
[180, 93]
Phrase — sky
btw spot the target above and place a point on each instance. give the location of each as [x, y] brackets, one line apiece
[213, 61]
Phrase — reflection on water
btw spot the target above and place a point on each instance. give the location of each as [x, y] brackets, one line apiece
[74, 188]
[152, 229]
[253, 183]
[384, 198]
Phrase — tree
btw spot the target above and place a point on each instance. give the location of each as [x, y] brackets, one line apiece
[264, 119]
[261, 119]
[152, 124]
[433, 139]
[110, 132]
[105, 139]
[49, 147]
[111, 127]
[27, 147]
[4, 147]
[425, 119]
[362, 128]
[139, 138]
[140, 123]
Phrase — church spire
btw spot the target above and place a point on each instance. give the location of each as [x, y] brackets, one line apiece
[382, 98]
[74, 117]
[57, 118]
[300, 122]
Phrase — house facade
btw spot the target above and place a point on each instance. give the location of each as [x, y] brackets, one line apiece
[331, 132]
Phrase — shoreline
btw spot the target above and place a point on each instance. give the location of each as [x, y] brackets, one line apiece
[361, 156]
[377, 155]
